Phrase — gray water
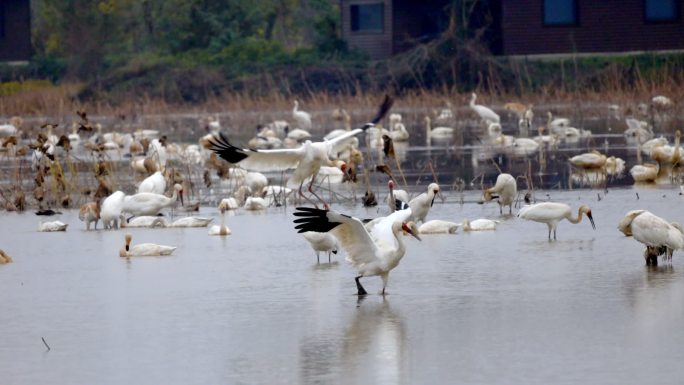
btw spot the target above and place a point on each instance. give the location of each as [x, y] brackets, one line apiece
[499, 307]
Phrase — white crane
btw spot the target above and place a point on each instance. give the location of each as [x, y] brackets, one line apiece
[552, 212]
[150, 203]
[370, 256]
[395, 195]
[306, 159]
[505, 190]
[485, 113]
[659, 236]
[144, 249]
[421, 204]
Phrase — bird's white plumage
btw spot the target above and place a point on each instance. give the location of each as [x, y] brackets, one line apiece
[485, 113]
[155, 183]
[191, 222]
[438, 226]
[52, 226]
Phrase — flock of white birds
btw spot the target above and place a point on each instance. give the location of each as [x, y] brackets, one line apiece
[374, 247]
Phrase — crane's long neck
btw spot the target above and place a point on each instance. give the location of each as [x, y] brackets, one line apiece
[577, 219]
[401, 249]
[472, 100]
[223, 219]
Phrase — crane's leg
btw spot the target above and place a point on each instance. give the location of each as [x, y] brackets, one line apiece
[385, 278]
[359, 288]
[500, 209]
[328, 257]
[313, 178]
[550, 228]
[306, 198]
[554, 233]
[318, 259]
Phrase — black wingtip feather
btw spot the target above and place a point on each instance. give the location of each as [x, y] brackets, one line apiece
[222, 147]
[400, 205]
[312, 219]
[382, 112]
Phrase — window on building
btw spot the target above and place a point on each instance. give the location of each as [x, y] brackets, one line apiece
[2, 21]
[560, 12]
[367, 17]
[661, 10]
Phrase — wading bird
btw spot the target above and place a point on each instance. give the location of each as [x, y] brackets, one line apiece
[420, 205]
[306, 159]
[551, 213]
[324, 242]
[144, 249]
[370, 256]
[659, 236]
[438, 226]
[505, 190]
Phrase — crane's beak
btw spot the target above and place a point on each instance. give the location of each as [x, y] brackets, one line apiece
[591, 219]
[409, 229]
[180, 194]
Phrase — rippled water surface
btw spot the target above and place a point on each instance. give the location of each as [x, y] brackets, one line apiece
[254, 307]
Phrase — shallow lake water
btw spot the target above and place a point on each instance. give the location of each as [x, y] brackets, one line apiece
[498, 307]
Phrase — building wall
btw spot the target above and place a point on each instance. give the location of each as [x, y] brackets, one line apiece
[15, 37]
[604, 26]
[377, 44]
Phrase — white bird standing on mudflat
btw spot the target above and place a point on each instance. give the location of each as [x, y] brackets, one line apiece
[370, 256]
[144, 249]
[324, 242]
[150, 203]
[155, 183]
[485, 113]
[659, 236]
[505, 190]
[552, 212]
[420, 205]
[306, 159]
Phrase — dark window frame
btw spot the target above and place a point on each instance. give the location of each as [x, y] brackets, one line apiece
[677, 18]
[367, 31]
[576, 23]
[3, 24]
